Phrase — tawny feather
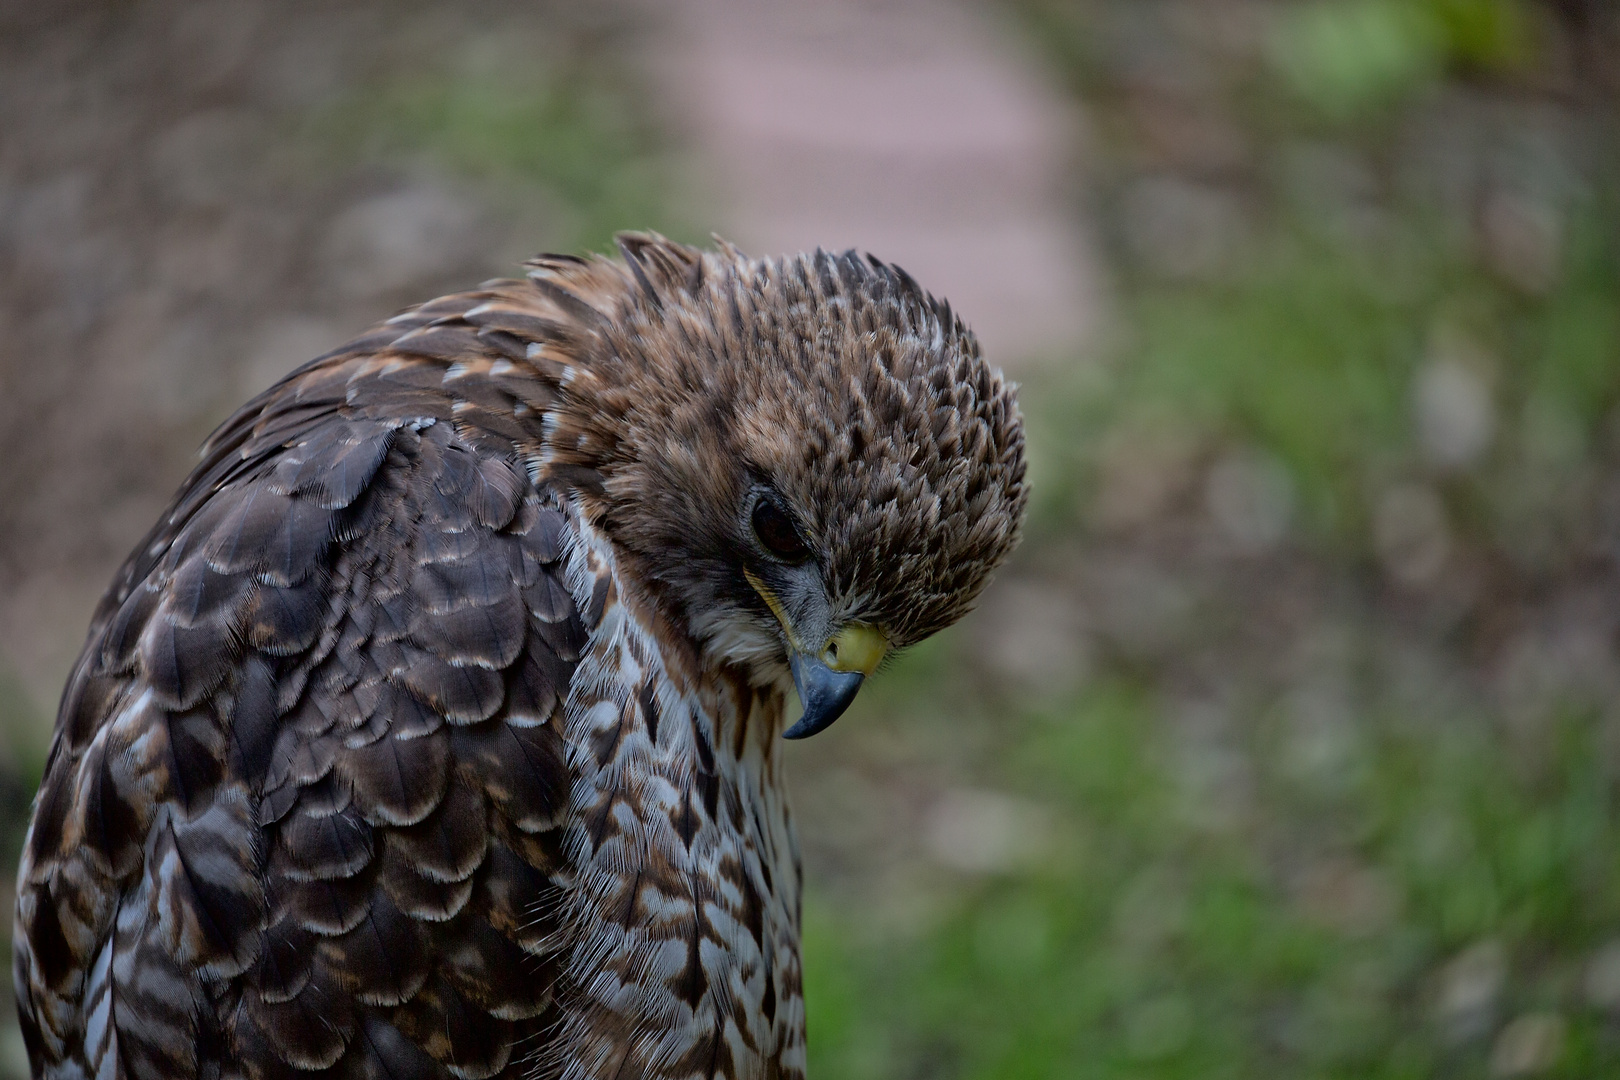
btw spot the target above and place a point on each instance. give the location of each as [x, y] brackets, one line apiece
[432, 731]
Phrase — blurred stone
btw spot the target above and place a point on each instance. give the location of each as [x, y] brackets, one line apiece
[1138, 606]
[1251, 498]
[1213, 772]
[1456, 418]
[1033, 635]
[1180, 229]
[1566, 658]
[1347, 896]
[1410, 534]
[985, 832]
[1602, 980]
[1531, 1044]
[1470, 987]
[1522, 239]
[401, 239]
[1320, 745]
[1144, 468]
[45, 219]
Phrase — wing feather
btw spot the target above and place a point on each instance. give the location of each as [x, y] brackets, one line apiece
[303, 807]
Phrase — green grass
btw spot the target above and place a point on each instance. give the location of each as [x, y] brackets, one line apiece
[1309, 351]
[1249, 908]
[1147, 943]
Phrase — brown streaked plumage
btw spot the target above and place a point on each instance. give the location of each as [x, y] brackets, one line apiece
[432, 732]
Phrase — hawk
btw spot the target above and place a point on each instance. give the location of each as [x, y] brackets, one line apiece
[433, 731]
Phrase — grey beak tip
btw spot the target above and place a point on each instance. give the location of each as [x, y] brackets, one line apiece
[825, 693]
[800, 730]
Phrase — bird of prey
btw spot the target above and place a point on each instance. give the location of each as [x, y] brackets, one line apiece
[433, 731]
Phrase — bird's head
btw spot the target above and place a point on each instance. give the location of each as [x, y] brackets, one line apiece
[808, 455]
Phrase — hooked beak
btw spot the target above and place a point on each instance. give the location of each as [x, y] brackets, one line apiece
[827, 681]
[825, 693]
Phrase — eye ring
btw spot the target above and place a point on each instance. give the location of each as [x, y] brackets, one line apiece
[776, 533]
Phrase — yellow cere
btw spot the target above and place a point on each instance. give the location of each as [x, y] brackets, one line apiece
[856, 648]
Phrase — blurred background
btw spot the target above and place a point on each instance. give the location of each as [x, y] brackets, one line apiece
[1290, 744]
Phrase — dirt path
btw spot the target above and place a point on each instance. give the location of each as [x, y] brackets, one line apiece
[915, 129]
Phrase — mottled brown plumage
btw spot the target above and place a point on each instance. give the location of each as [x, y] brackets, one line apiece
[432, 732]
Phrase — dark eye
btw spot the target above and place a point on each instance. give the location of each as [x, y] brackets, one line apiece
[775, 530]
